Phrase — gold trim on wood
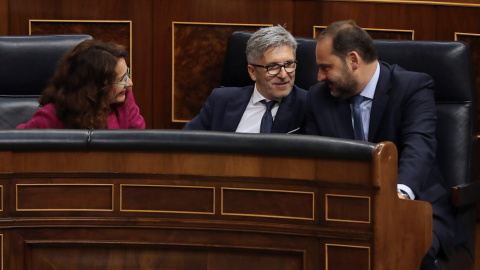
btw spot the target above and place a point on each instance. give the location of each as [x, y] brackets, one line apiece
[346, 220]
[174, 119]
[349, 246]
[268, 216]
[91, 21]
[164, 211]
[465, 34]
[370, 29]
[74, 210]
[223, 24]
[412, 2]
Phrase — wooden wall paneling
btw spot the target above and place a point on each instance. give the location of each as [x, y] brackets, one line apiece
[198, 56]
[462, 25]
[64, 197]
[334, 254]
[376, 33]
[272, 203]
[149, 249]
[195, 199]
[202, 11]
[4, 17]
[141, 14]
[456, 19]
[25, 10]
[138, 12]
[119, 32]
[419, 18]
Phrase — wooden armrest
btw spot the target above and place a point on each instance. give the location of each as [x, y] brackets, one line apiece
[466, 194]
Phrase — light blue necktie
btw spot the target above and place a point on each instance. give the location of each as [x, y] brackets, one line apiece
[357, 118]
[267, 118]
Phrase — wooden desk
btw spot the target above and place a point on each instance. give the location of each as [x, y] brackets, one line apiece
[196, 210]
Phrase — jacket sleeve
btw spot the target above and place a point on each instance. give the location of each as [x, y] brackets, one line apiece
[203, 121]
[417, 146]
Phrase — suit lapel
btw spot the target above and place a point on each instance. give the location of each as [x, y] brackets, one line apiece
[236, 107]
[380, 101]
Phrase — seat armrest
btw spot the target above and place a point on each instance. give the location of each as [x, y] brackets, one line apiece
[466, 194]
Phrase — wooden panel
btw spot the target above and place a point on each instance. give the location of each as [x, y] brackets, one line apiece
[198, 56]
[347, 208]
[331, 169]
[211, 11]
[419, 18]
[379, 33]
[167, 199]
[64, 197]
[120, 248]
[461, 20]
[195, 164]
[141, 15]
[4, 16]
[145, 257]
[109, 31]
[341, 257]
[268, 203]
[5, 161]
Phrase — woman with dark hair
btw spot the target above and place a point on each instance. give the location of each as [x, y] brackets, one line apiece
[91, 89]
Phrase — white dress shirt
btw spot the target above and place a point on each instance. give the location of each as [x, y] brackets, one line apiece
[252, 117]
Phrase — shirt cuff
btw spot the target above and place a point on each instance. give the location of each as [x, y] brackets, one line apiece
[407, 190]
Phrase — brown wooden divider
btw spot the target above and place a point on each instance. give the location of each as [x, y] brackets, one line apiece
[73, 209]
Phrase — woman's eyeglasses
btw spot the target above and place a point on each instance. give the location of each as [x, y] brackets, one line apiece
[126, 78]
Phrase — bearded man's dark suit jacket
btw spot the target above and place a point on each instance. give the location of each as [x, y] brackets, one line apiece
[224, 109]
[403, 112]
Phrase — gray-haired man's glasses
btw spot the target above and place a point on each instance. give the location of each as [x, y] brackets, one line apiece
[274, 69]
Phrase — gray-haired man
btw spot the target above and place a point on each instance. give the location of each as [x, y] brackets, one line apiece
[273, 105]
